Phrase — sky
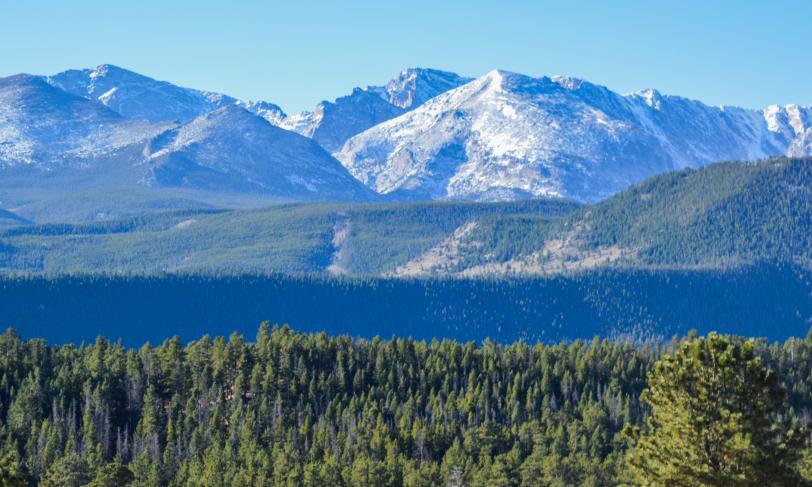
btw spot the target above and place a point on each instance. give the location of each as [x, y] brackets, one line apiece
[297, 53]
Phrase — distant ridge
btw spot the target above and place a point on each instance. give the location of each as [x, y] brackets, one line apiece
[724, 216]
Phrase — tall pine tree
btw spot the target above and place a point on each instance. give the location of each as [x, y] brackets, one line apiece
[718, 418]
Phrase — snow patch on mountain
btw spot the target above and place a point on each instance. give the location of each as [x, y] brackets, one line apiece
[44, 126]
[331, 124]
[134, 95]
[231, 149]
[507, 136]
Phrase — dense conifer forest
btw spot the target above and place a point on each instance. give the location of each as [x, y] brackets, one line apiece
[640, 304]
[290, 409]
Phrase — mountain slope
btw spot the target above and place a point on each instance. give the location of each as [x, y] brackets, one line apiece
[42, 125]
[359, 239]
[230, 149]
[332, 123]
[137, 96]
[721, 215]
[506, 136]
[724, 216]
[10, 219]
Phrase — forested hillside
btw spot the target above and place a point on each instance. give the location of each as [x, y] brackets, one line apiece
[640, 304]
[336, 238]
[722, 216]
[290, 409]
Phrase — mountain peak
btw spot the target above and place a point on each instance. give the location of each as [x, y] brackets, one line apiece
[134, 95]
[508, 135]
[414, 86]
[43, 124]
[331, 124]
[500, 75]
[650, 96]
[232, 149]
[108, 69]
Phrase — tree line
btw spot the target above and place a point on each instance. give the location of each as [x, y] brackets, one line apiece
[637, 303]
[292, 409]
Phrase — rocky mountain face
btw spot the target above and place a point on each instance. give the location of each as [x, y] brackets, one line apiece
[507, 136]
[331, 124]
[415, 86]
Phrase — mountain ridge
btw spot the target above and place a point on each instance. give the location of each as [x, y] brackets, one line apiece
[506, 135]
[426, 134]
[333, 123]
[60, 150]
[273, 160]
[134, 95]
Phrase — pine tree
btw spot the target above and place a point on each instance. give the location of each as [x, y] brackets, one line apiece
[11, 474]
[717, 419]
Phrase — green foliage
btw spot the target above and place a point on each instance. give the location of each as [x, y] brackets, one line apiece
[70, 470]
[718, 418]
[723, 215]
[631, 303]
[11, 473]
[282, 238]
[114, 474]
[292, 409]
[295, 409]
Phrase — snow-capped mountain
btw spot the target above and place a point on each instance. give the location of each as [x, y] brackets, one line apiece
[134, 95]
[415, 86]
[331, 124]
[425, 134]
[56, 147]
[233, 150]
[43, 126]
[506, 136]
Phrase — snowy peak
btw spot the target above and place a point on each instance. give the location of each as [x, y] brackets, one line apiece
[424, 134]
[137, 96]
[233, 150]
[650, 97]
[331, 124]
[414, 86]
[224, 151]
[507, 135]
[269, 111]
[41, 124]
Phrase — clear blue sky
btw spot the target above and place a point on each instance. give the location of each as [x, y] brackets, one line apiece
[748, 53]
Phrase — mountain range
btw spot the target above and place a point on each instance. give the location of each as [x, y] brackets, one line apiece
[107, 142]
[510, 136]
